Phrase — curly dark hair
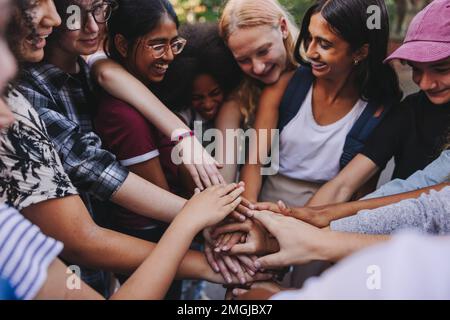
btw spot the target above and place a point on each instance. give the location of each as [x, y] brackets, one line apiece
[205, 53]
[21, 25]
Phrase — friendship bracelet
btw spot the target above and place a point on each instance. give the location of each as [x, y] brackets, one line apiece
[185, 135]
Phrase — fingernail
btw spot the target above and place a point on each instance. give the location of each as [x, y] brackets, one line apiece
[217, 249]
[225, 248]
[250, 272]
[242, 218]
[229, 280]
[242, 280]
[257, 264]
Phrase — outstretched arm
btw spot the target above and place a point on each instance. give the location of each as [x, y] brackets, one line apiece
[121, 84]
[266, 120]
[346, 183]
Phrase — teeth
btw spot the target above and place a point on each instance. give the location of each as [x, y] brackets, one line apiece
[162, 66]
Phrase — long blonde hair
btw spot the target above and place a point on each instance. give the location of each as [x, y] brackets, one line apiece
[240, 14]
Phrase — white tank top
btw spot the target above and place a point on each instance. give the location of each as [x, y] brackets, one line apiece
[311, 152]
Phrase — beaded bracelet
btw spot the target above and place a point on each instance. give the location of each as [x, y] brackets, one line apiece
[185, 135]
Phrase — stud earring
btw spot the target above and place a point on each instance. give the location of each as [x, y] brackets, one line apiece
[356, 62]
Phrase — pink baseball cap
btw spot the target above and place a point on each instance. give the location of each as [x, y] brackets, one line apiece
[428, 36]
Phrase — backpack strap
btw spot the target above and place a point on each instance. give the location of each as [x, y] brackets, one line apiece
[371, 117]
[294, 95]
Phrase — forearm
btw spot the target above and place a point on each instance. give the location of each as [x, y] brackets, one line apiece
[142, 197]
[330, 193]
[251, 176]
[360, 170]
[159, 269]
[427, 213]
[335, 246]
[121, 84]
[338, 211]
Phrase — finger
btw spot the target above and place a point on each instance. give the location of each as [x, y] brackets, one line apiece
[248, 263]
[239, 292]
[265, 206]
[203, 176]
[230, 197]
[210, 258]
[237, 216]
[240, 271]
[219, 240]
[194, 174]
[224, 271]
[197, 191]
[233, 227]
[243, 248]
[246, 203]
[234, 239]
[275, 260]
[213, 173]
[224, 240]
[231, 206]
[230, 264]
[282, 205]
[259, 276]
[226, 189]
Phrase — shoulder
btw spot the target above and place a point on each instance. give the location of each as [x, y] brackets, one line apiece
[282, 83]
[230, 115]
[23, 110]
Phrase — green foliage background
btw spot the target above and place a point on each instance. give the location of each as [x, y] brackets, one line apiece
[209, 10]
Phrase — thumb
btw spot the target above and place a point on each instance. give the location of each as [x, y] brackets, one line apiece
[270, 261]
[243, 248]
[282, 205]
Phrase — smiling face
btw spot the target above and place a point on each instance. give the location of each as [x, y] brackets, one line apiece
[434, 79]
[31, 47]
[142, 62]
[207, 96]
[260, 51]
[330, 56]
[88, 38]
[7, 63]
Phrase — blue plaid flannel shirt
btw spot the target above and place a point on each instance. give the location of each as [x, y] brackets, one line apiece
[65, 104]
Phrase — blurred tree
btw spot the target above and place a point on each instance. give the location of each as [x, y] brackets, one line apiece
[209, 10]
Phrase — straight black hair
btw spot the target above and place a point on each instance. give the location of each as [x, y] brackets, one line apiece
[349, 19]
[134, 19]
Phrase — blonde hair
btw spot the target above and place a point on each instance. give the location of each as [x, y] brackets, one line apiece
[240, 14]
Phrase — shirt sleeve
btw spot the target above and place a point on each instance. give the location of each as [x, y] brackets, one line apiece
[91, 168]
[386, 138]
[30, 168]
[126, 133]
[409, 267]
[435, 173]
[25, 253]
[429, 213]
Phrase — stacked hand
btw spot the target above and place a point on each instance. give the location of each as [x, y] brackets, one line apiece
[271, 237]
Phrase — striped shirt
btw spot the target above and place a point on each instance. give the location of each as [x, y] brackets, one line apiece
[25, 253]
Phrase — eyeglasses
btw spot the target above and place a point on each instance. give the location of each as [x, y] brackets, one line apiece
[100, 12]
[159, 50]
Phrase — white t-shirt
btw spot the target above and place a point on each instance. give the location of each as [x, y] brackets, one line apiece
[311, 152]
[411, 266]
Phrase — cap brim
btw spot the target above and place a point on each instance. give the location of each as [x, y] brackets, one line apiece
[421, 51]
